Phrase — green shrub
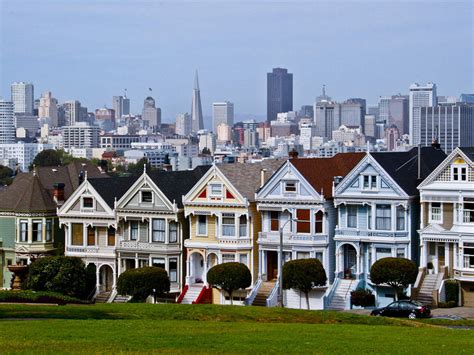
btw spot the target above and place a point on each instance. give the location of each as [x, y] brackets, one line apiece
[63, 274]
[452, 291]
[449, 304]
[229, 277]
[28, 296]
[363, 298]
[303, 275]
[140, 283]
[398, 273]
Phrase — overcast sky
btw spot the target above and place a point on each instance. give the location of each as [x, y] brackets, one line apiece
[91, 50]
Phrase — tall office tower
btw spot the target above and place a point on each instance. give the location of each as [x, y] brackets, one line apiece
[105, 117]
[398, 113]
[222, 112]
[197, 120]
[391, 136]
[72, 112]
[7, 122]
[420, 96]
[467, 98]
[353, 112]
[327, 118]
[183, 124]
[48, 109]
[384, 110]
[125, 106]
[370, 126]
[117, 106]
[279, 92]
[373, 110]
[306, 111]
[451, 124]
[23, 97]
[151, 114]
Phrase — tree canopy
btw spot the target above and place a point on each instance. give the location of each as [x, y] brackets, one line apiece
[229, 277]
[143, 282]
[398, 273]
[137, 168]
[5, 175]
[303, 275]
[53, 157]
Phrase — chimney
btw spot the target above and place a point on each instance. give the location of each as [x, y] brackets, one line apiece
[262, 176]
[435, 144]
[167, 167]
[58, 193]
[337, 180]
[293, 154]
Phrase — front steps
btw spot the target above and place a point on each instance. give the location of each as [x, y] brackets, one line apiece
[263, 293]
[103, 297]
[430, 282]
[192, 294]
[341, 295]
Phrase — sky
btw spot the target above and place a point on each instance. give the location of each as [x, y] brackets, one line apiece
[91, 50]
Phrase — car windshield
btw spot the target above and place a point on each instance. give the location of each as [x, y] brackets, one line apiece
[416, 303]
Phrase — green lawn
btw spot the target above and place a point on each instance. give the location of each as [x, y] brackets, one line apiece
[211, 328]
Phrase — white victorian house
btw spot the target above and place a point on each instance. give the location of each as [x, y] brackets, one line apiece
[378, 215]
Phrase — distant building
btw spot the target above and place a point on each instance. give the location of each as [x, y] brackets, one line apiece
[222, 112]
[306, 111]
[250, 138]
[197, 119]
[7, 122]
[279, 92]
[21, 153]
[105, 118]
[373, 110]
[353, 113]
[207, 140]
[327, 118]
[118, 142]
[420, 96]
[151, 114]
[183, 124]
[467, 98]
[28, 122]
[121, 106]
[224, 133]
[48, 109]
[307, 132]
[370, 125]
[349, 136]
[72, 112]
[22, 97]
[80, 135]
[392, 134]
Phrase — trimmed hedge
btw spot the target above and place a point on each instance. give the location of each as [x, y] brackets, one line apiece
[140, 283]
[398, 273]
[63, 274]
[229, 277]
[27, 296]
[363, 298]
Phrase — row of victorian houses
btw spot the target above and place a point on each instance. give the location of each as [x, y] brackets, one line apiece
[348, 211]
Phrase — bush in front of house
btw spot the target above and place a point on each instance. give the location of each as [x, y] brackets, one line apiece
[140, 283]
[452, 292]
[303, 275]
[229, 277]
[28, 296]
[397, 273]
[362, 298]
[62, 274]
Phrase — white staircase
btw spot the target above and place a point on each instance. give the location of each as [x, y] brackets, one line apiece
[192, 293]
[342, 294]
[430, 284]
[121, 299]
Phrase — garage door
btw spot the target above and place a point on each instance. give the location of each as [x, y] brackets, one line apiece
[468, 294]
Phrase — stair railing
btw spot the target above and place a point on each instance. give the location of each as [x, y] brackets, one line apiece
[251, 297]
[272, 299]
[328, 298]
[112, 296]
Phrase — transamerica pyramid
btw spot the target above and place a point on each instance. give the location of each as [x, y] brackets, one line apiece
[197, 121]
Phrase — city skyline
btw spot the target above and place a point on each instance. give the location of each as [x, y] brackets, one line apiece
[236, 58]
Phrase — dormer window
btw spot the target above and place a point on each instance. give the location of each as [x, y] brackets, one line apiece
[459, 173]
[87, 202]
[370, 182]
[146, 197]
[290, 186]
[215, 190]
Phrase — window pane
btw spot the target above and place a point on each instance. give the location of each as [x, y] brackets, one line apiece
[173, 269]
[173, 238]
[158, 230]
[23, 231]
[134, 230]
[110, 236]
[77, 237]
[37, 231]
[400, 218]
[49, 230]
[202, 228]
[274, 221]
[87, 202]
[382, 217]
[147, 196]
[158, 262]
[352, 216]
[243, 226]
[90, 236]
[318, 224]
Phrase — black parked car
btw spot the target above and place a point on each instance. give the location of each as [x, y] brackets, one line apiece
[410, 309]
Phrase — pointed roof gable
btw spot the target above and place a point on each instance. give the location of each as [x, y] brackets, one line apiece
[246, 178]
[113, 188]
[403, 166]
[320, 172]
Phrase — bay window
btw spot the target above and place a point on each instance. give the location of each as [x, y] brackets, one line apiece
[90, 236]
[383, 219]
[49, 230]
[318, 222]
[400, 218]
[303, 223]
[158, 230]
[274, 221]
[436, 212]
[228, 225]
[352, 216]
[111, 236]
[23, 231]
[202, 225]
[37, 231]
[134, 230]
[77, 237]
[243, 226]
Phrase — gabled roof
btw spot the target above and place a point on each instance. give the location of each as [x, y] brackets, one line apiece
[469, 151]
[403, 166]
[246, 178]
[320, 172]
[113, 188]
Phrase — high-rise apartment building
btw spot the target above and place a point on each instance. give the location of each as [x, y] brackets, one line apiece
[327, 118]
[451, 124]
[222, 112]
[183, 124]
[23, 97]
[80, 135]
[279, 92]
[151, 114]
[420, 96]
[7, 122]
[197, 119]
[383, 110]
[48, 109]
[72, 112]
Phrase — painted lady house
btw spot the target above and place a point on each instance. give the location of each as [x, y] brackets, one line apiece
[297, 201]
[223, 225]
[378, 217]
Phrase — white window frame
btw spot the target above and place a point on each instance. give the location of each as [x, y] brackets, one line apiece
[170, 230]
[219, 194]
[23, 222]
[138, 231]
[404, 215]
[141, 196]
[175, 278]
[356, 216]
[286, 184]
[230, 225]
[430, 215]
[49, 237]
[87, 208]
[159, 232]
[198, 223]
[371, 178]
[458, 168]
[39, 231]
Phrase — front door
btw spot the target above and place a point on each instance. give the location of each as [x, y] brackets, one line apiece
[272, 265]
[441, 259]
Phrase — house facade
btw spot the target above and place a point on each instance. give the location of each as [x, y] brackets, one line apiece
[447, 224]
[378, 215]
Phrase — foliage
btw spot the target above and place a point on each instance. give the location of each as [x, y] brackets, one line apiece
[63, 274]
[140, 283]
[363, 298]
[53, 157]
[303, 275]
[137, 169]
[5, 175]
[28, 296]
[229, 277]
[398, 273]
[449, 304]
[91, 280]
[452, 291]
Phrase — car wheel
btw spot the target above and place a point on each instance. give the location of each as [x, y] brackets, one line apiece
[412, 315]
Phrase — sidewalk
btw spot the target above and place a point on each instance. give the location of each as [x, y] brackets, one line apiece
[464, 312]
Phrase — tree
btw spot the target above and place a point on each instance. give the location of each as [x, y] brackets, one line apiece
[398, 273]
[303, 275]
[48, 157]
[63, 274]
[143, 282]
[5, 175]
[229, 277]
[137, 168]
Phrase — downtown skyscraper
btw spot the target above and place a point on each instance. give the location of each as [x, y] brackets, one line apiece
[197, 120]
[279, 92]
[22, 97]
[420, 96]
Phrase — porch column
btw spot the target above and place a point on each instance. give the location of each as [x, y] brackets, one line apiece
[119, 265]
[114, 277]
[136, 260]
[446, 256]
[97, 278]
[204, 276]
[188, 271]
[456, 255]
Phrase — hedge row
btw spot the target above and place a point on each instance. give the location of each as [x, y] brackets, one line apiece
[27, 296]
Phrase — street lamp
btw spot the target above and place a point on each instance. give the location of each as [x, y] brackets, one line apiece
[280, 261]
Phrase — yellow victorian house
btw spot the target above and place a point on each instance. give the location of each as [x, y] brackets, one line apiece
[224, 225]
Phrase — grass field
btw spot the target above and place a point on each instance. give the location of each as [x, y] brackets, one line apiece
[211, 328]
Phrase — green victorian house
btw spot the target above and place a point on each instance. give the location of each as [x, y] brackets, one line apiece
[29, 226]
